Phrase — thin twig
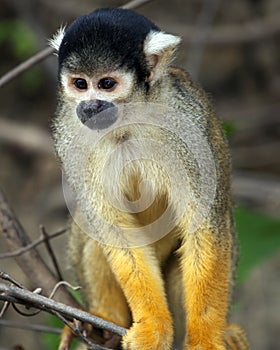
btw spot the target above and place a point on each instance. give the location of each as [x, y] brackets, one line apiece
[32, 61]
[25, 314]
[30, 327]
[4, 308]
[75, 330]
[51, 252]
[134, 4]
[63, 283]
[32, 245]
[6, 277]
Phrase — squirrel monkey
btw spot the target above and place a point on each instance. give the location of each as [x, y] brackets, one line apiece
[173, 291]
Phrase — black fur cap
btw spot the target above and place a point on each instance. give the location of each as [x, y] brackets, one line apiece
[106, 39]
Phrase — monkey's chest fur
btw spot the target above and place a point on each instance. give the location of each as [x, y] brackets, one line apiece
[123, 189]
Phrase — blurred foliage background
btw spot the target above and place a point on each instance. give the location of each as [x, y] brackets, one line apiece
[232, 48]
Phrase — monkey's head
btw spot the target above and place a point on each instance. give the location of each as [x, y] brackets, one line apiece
[108, 57]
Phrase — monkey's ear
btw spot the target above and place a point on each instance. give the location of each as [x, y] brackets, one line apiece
[56, 40]
[159, 48]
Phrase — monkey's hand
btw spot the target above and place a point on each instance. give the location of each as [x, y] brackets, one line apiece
[102, 337]
[149, 335]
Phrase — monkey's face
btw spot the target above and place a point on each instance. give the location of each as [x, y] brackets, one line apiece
[92, 94]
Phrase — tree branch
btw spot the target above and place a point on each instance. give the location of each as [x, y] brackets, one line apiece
[134, 4]
[25, 297]
[32, 245]
[32, 61]
[51, 252]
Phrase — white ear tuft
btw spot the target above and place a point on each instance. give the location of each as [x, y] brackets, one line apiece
[157, 42]
[159, 48]
[56, 40]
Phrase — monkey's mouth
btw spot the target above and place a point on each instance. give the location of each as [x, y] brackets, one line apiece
[97, 114]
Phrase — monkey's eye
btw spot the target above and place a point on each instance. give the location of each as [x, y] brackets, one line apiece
[107, 84]
[80, 84]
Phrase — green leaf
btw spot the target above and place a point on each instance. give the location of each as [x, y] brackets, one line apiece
[50, 340]
[229, 128]
[259, 236]
[19, 36]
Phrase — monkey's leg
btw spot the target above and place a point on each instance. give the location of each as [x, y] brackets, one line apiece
[139, 276]
[206, 264]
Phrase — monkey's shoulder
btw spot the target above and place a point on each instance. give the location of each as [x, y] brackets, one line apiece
[189, 92]
[183, 82]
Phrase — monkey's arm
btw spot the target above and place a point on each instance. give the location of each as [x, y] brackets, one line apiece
[139, 276]
[206, 271]
[207, 278]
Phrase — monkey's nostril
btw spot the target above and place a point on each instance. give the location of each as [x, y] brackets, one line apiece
[89, 108]
[88, 111]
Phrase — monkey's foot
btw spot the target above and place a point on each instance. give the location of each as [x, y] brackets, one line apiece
[236, 338]
[149, 336]
[98, 336]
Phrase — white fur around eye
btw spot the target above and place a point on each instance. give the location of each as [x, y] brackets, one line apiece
[56, 40]
[125, 81]
[156, 42]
